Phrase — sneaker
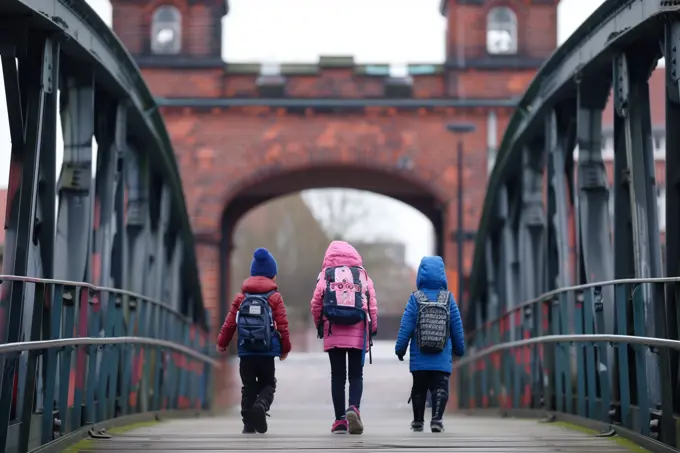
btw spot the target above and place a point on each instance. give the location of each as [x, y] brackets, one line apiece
[417, 427]
[436, 426]
[248, 430]
[339, 427]
[258, 417]
[354, 420]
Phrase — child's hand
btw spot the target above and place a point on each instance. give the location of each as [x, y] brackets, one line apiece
[220, 350]
[283, 357]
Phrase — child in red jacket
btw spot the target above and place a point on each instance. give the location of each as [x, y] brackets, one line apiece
[259, 316]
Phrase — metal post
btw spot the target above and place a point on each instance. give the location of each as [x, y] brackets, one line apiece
[459, 235]
[460, 129]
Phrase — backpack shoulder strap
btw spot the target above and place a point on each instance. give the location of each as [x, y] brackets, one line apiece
[443, 297]
[355, 273]
[421, 297]
[264, 296]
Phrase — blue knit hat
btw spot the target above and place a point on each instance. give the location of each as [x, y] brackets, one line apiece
[263, 265]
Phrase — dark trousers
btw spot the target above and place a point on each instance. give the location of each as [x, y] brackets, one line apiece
[342, 361]
[437, 382]
[258, 382]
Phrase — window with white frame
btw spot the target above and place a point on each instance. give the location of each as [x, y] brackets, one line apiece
[658, 146]
[491, 140]
[661, 206]
[501, 31]
[607, 147]
[166, 30]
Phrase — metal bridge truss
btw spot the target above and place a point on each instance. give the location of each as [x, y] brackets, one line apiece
[546, 226]
[122, 226]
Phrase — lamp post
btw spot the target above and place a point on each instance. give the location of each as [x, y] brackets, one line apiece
[460, 129]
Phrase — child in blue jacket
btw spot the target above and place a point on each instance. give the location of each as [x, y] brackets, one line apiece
[431, 369]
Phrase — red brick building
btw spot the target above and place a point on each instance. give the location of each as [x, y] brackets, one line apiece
[245, 133]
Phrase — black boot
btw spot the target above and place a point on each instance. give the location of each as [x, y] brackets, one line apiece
[247, 421]
[258, 416]
[439, 399]
[418, 405]
[259, 412]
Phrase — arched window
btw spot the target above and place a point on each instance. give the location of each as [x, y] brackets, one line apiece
[501, 31]
[166, 30]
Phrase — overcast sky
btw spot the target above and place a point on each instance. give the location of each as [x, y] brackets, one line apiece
[381, 31]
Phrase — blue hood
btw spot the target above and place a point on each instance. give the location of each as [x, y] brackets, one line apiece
[431, 273]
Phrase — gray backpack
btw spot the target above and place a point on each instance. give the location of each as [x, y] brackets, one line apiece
[433, 324]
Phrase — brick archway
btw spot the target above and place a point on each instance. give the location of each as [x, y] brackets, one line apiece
[235, 124]
[258, 190]
[234, 159]
[221, 153]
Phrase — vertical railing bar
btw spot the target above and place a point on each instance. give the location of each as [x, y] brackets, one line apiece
[83, 310]
[69, 304]
[128, 356]
[93, 356]
[639, 329]
[47, 423]
[29, 385]
[559, 356]
[591, 371]
[158, 359]
[117, 356]
[581, 375]
[621, 295]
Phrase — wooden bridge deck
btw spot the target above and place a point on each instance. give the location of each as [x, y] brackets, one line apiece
[302, 415]
[385, 432]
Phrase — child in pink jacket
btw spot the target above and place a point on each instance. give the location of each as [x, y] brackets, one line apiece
[345, 313]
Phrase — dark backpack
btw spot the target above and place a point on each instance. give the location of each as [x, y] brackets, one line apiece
[433, 324]
[255, 323]
[343, 298]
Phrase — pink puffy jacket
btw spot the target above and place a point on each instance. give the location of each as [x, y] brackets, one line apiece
[341, 253]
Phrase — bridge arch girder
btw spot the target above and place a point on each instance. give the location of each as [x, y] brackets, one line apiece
[583, 240]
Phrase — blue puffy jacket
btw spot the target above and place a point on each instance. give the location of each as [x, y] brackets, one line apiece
[431, 280]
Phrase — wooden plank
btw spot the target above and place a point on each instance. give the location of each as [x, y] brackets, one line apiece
[302, 415]
[386, 431]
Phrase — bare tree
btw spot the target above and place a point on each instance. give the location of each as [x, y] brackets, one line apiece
[361, 219]
[297, 233]
[343, 213]
[286, 228]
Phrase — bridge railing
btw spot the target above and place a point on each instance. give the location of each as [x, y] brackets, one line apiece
[116, 217]
[94, 354]
[546, 222]
[545, 355]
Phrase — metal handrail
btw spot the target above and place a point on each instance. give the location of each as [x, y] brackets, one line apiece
[566, 289]
[92, 287]
[87, 341]
[585, 338]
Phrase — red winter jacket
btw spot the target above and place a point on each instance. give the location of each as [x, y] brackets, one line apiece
[257, 285]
